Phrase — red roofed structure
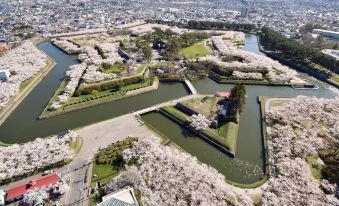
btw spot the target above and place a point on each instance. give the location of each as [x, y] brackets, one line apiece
[18, 191]
[226, 95]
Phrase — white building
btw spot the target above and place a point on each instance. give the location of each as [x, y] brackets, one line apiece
[4, 74]
[124, 197]
[2, 197]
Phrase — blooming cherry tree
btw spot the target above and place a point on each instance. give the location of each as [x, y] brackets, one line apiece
[167, 176]
[25, 61]
[297, 130]
[17, 160]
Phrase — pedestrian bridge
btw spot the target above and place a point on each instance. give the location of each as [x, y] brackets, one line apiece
[169, 103]
[190, 87]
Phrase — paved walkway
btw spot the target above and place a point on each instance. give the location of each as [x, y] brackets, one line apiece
[190, 87]
[101, 134]
[169, 103]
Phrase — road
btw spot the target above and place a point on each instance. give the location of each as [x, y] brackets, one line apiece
[78, 193]
[97, 136]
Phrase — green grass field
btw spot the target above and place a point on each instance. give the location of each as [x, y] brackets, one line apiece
[95, 98]
[104, 172]
[278, 103]
[162, 64]
[335, 78]
[231, 135]
[182, 117]
[315, 166]
[76, 145]
[206, 105]
[195, 51]
[105, 92]
[25, 83]
[113, 69]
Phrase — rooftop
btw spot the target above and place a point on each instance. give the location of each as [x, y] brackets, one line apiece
[223, 94]
[34, 184]
[124, 197]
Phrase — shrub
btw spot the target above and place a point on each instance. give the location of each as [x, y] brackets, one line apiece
[113, 153]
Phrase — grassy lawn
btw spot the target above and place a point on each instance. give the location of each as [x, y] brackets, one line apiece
[93, 200]
[205, 105]
[195, 51]
[177, 114]
[315, 167]
[231, 135]
[25, 83]
[141, 68]
[103, 173]
[4, 144]
[113, 69]
[278, 103]
[162, 64]
[77, 144]
[226, 135]
[106, 92]
[335, 78]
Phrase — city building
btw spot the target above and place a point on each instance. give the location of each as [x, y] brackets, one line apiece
[4, 74]
[124, 197]
[244, 12]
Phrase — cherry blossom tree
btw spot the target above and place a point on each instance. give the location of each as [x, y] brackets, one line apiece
[251, 62]
[167, 176]
[66, 45]
[17, 160]
[296, 131]
[199, 122]
[25, 61]
[46, 193]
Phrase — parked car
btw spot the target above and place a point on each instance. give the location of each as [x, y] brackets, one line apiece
[47, 172]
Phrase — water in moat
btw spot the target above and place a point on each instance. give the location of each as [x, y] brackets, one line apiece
[23, 124]
[248, 166]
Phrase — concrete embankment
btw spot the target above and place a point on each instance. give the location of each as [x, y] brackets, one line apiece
[202, 135]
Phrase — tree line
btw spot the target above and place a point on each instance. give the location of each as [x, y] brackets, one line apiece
[236, 102]
[113, 153]
[300, 53]
[208, 25]
[114, 85]
[173, 41]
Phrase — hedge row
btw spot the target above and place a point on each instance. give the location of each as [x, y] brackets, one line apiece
[218, 77]
[111, 94]
[106, 85]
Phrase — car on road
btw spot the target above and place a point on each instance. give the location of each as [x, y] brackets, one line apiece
[47, 172]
